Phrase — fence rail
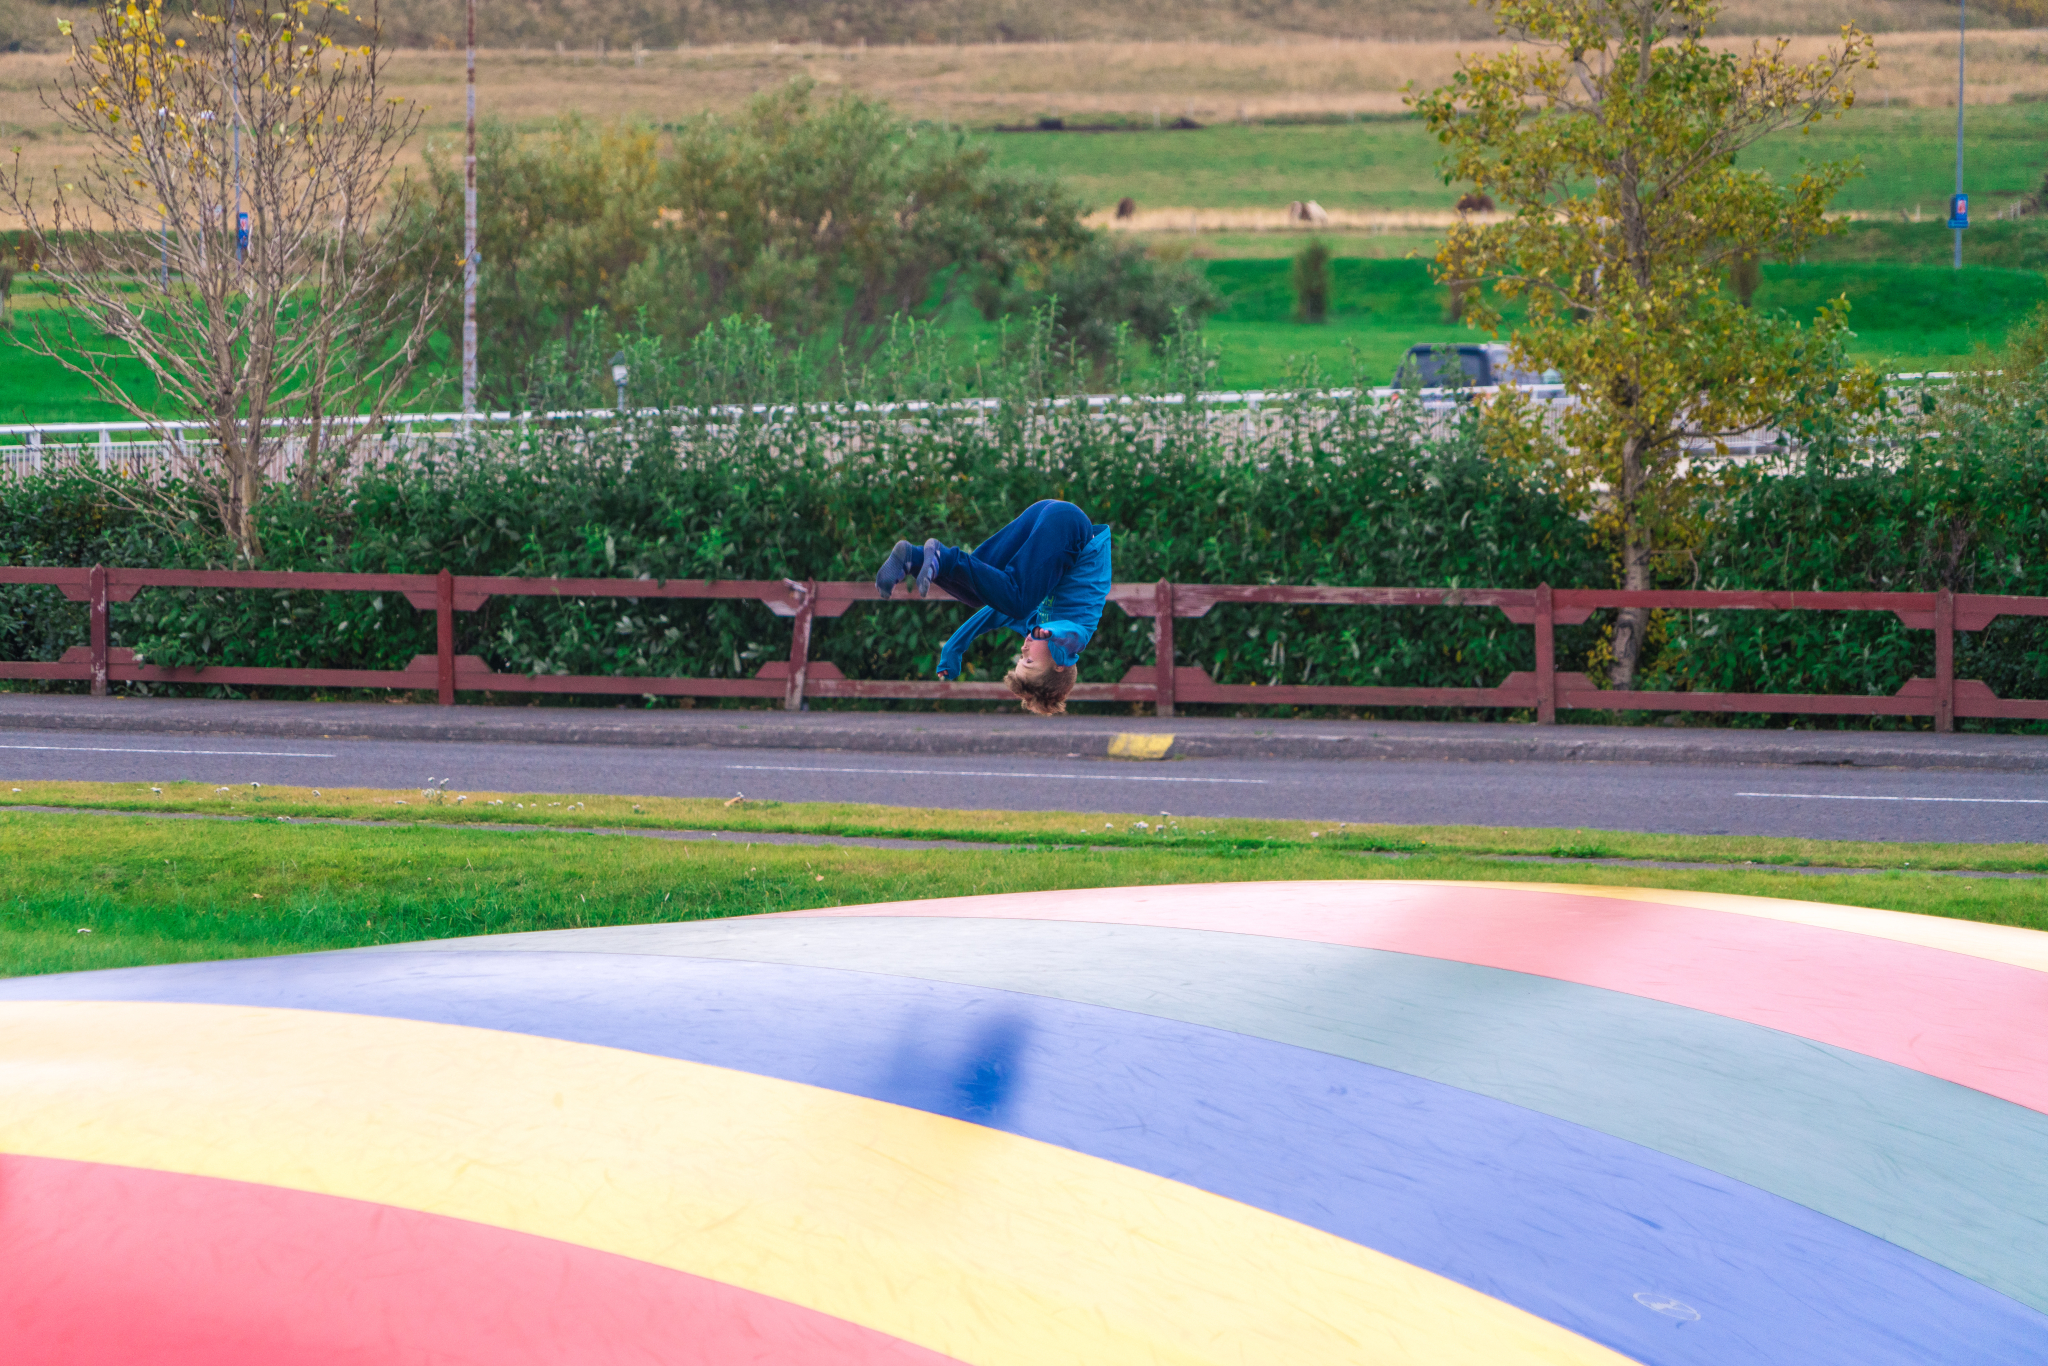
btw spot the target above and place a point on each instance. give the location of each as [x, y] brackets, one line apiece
[1165, 683]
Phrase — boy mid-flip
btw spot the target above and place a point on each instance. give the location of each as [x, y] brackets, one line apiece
[1044, 576]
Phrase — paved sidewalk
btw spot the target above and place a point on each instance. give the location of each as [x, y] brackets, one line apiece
[1093, 736]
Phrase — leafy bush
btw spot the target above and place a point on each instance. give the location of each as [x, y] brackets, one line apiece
[1955, 503]
[1745, 273]
[826, 220]
[1102, 292]
[1312, 283]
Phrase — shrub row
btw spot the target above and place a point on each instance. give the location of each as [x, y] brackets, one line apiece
[1344, 495]
[1325, 493]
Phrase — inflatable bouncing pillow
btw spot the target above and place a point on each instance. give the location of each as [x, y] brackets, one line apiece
[1274, 1124]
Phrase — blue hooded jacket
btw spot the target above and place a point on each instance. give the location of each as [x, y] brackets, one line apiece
[1069, 614]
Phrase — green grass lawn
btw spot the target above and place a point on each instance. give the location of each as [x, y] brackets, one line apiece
[35, 388]
[1908, 158]
[1378, 309]
[1909, 155]
[1909, 316]
[1380, 164]
[151, 890]
[2007, 245]
[1904, 317]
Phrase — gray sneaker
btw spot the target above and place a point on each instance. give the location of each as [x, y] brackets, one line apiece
[894, 569]
[930, 567]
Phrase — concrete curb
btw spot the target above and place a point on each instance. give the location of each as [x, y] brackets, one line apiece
[934, 733]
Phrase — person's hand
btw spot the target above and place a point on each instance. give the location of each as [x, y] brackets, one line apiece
[945, 677]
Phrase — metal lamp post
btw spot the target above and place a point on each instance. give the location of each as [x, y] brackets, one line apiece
[163, 214]
[235, 95]
[469, 253]
[1959, 207]
[619, 374]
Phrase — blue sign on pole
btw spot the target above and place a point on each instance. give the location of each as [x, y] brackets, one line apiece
[241, 234]
[1959, 211]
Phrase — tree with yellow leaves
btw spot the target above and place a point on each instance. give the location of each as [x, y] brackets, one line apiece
[1611, 136]
[225, 230]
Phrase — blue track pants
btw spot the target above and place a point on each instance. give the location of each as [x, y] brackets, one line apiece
[1016, 569]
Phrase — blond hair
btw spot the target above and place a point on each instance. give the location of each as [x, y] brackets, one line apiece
[1042, 691]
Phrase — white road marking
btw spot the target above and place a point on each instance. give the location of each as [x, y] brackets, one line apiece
[977, 773]
[1848, 797]
[236, 753]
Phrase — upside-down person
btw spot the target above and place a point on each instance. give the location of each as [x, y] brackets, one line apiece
[1044, 576]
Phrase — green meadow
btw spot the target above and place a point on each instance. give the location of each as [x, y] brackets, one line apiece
[1381, 164]
[1390, 164]
[1906, 317]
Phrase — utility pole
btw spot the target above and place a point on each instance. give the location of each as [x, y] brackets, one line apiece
[235, 93]
[163, 212]
[469, 255]
[1962, 39]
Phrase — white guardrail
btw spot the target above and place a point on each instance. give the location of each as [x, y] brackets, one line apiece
[28, 448]
[32, 448]
[1247, 398]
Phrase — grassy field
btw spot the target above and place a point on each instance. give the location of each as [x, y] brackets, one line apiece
[1388, 164]
[1382, 164]
[1906, 317]
[983, 85]
[103, 890]
[1909, 155]
[36, 388]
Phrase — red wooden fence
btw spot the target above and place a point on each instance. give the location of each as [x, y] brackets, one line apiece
[1543, 690]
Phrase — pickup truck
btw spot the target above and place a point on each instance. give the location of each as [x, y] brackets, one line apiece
[1463, 365]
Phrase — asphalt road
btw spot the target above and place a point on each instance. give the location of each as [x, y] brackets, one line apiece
[1829, 803]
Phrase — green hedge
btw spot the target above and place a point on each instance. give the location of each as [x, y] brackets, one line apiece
[1321, 495]
[1335, 494]
[1960, 503]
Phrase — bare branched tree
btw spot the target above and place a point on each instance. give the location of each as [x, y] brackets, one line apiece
[225, 231]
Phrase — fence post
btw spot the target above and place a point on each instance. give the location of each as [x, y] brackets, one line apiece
[800, 645]
[1546, 659]
[1162, 635]
[444, 635]
[97, 584]
[1945, 660]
